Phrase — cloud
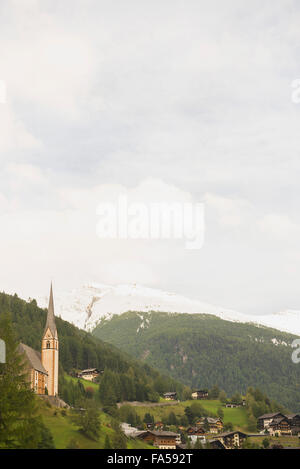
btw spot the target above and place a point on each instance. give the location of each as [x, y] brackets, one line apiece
[188, 102]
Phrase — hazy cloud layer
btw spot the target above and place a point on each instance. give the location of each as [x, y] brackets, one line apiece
[178, 99]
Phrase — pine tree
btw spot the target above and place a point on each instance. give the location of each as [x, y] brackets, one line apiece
[19, 426]
[87, 418]
[220, 413]
[46, 439]
[119, 440]
[107, 444]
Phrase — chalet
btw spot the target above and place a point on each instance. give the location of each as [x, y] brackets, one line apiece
[214, 425]
[216, 444]
[90, 374]
[280, 426]
[202, 394]
[161, 439]
[232, 440]
[263, 422]
[294, 420]
[295, 431]
[170, 396]
[158, 425]
[195, 431]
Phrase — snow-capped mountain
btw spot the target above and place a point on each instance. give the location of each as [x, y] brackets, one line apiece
[87, 305]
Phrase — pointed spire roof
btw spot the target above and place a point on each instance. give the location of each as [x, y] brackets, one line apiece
[50, 323]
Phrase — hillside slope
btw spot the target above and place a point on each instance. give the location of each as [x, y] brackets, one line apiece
[203, 350]
[79, 349]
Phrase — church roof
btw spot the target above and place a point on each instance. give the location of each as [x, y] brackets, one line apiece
[33, 357]
[50, 316]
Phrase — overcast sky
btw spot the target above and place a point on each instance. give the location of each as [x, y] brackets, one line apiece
[187, 100]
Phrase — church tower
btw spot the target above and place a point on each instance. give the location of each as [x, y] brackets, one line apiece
[50, 349]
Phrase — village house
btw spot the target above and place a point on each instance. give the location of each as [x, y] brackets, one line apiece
[202, 394]
[195, 431]
[161, 439]
[158, 426]
[170, 396]
[294, 420]
[214, 425]
[232, 440]
[295, 431]
[263, 422]
[280, 426]
[42, 368]
[90, 374]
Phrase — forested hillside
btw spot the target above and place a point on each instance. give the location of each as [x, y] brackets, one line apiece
[202, 350]
[79, 350]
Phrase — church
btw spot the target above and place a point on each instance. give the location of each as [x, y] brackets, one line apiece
[42, 368]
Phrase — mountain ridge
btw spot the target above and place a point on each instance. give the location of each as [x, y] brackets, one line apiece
[90, 303]
[202, 350]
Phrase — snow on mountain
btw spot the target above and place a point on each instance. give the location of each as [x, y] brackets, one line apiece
[87, 305]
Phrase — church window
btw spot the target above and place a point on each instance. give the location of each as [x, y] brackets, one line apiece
[48, 344]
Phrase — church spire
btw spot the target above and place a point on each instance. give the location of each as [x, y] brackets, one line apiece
[50, 316]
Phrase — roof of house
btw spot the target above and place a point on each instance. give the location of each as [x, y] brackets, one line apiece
[33, 357]
[211, 420]
[269, 416]
[89, 370]
[224, 435]
[158, 434]
[170, 393]
[163, 433]
[278, 420]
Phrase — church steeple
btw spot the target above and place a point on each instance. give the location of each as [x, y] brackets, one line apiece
[50, 346]
[50, 323]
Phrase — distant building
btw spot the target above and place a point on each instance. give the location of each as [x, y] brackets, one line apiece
[161, 439]
[294, 420]
[214, 425]
[280, 426]
[90, 374]
[201, 394]
[231, 440]
[264, 421]
[170, 396]
[158, 425]
[195, 431]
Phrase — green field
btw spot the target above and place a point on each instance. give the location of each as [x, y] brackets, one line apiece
[286, 441]
[86, 384]
[238, 416]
